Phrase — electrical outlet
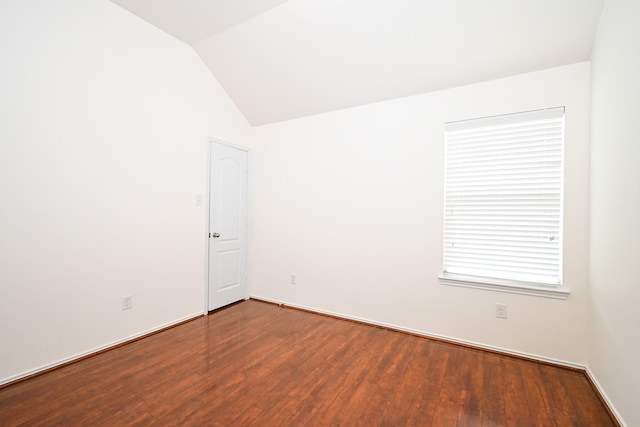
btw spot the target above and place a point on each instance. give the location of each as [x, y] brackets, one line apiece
[501, 311]
[293, 278]
[127, 302]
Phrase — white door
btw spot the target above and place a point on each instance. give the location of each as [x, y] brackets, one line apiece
[227, 225]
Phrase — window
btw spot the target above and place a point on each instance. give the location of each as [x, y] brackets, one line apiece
[503, 203]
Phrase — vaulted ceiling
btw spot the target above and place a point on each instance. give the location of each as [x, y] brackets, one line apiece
[283, 59]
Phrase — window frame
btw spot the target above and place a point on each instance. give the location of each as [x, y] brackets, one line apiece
[509, 285]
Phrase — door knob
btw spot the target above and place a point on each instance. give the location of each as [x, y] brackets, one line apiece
[215, 235]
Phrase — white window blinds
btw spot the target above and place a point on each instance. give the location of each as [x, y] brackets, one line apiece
[503, 197]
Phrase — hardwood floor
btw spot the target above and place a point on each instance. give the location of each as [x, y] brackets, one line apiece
[259, 364]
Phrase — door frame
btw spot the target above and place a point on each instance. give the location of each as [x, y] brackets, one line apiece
[207, 201]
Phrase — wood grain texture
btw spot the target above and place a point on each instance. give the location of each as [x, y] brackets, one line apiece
[258, 364]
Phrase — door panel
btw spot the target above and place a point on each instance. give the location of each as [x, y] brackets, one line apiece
[230, 178]
[227, 225]
[229, 271]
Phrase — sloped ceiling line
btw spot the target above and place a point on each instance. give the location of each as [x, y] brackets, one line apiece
[281, 59]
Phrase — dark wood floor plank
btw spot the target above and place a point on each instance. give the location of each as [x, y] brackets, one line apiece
[493, 404]
[361, 382]
[354, 389]
[471, 409]
[592, 413]
[263, 365]
[385, 374]
[537, 395]
[452, 392]
[402, 380]
[434, 359]
[517, 409]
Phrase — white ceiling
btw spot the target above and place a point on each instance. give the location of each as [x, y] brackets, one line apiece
[282, 59]
[193, 20]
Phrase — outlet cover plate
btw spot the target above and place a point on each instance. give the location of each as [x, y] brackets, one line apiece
[501, 311]
[127, 302]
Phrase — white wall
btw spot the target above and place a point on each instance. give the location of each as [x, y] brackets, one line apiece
[103, 127]
[351, 201]
[614, 344]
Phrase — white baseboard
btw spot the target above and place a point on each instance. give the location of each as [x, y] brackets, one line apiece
[604, 396]
[95, 350]
[425, 334]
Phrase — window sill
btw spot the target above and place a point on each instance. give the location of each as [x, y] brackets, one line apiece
[509, 286]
